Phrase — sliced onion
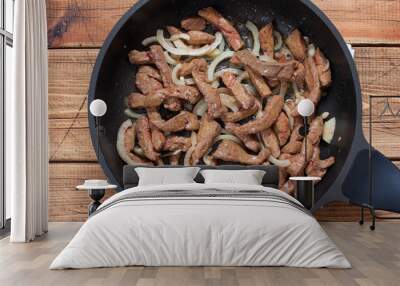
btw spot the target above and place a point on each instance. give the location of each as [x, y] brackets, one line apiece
[231, 70]
[221, 46]
[329, 130]
[138, 151]
[215, 53]
[311, 50]
[287, 53]
[244, 75]
[279, 163]
[182, 36]
[256, 38]
[211, 68]
[190, 81]
[175, 75]
[149, 41]
[266, 58]
[277, 40]
[131, 114]
[229, 102]
[176, 152]
[215, 84]
[289, 115]
[200, 108]
[227, 137]
[208, 160]
[122, 152]
[188, 51]
[296, 90]
[170, 60]
[325, 115]
[250, 88]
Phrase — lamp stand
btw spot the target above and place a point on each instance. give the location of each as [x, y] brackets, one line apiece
[98, 137]
[305, 140]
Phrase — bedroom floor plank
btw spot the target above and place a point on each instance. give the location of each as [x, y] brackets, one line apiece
[375, 257]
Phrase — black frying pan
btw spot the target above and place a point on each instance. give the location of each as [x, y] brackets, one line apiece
[112, 79]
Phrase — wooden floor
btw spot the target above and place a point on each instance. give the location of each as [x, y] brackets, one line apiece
[375, 257]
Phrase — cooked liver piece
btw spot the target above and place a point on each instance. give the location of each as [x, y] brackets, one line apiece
[139, 58]
[267, 40]
[194, 23]
[227, 29]
[296, 45]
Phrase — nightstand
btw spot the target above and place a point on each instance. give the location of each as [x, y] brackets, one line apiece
[96, 190]
[305, 190]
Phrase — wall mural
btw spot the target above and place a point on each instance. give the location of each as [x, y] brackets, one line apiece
[204, 98]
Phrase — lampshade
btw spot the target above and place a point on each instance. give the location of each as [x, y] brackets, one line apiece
[98, 107]
[305, 107]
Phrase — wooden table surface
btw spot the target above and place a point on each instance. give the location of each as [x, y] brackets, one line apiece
[77, 28]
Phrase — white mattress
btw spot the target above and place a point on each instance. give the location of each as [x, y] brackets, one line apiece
[202, 231]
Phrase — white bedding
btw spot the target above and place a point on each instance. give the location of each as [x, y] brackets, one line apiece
[183, 231]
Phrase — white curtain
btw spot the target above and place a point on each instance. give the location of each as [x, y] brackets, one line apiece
[26, 123]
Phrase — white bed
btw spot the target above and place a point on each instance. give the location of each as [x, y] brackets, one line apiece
[258, 226]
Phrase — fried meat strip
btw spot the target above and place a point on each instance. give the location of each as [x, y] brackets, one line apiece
[317, 167]
[267, 40]
[157, 138]
[175, 143]
[270, 141]
[259, 83]
[143, 134]
[140, 58]
[311, 74]
[194, 23]
[298, 161]
[270, 70]
[147, 80]
[323, 68]
[241, 114]
[299, 74]
[245, 99]
[230, 151]
[296, 45]
[183, 121]
[282, 128]
[315, 130]
[209, 130]
[249, 140]
[129, 143]
[294, 145]
[187, 68]
[228, 30]
[268, 117]
[215, 108]
[200, 38]
[157, 54]
[155, 99]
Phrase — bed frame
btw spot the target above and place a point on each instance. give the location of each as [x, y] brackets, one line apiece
[271, 177]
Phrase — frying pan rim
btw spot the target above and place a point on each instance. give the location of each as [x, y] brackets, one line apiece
[357, 137]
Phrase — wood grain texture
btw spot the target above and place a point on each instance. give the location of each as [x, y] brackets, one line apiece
[65, 202]
[69, 75]
[84, 23]
[374, 256]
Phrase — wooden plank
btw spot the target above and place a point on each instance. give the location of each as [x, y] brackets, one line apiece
[66, 203]
[83, 23]
[69, 75]
[364, 21]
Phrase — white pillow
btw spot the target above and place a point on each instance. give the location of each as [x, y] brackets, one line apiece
[166, 176]
[247, 177]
